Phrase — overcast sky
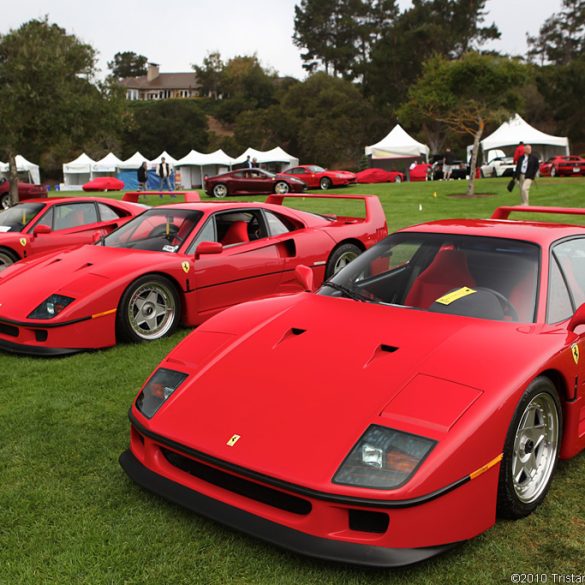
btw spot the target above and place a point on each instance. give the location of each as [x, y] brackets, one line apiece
[179, 33]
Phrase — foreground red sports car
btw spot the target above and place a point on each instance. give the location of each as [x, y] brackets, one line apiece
[316, 177]
[25, 191]
[559, 166]
[39, 226]
[429, 385]
[375, 175]
[172, 264]
[251, 182]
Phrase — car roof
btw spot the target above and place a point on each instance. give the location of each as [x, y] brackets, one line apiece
[541, 233]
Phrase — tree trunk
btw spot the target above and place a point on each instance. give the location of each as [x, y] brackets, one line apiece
[474, 154]
[13, 178]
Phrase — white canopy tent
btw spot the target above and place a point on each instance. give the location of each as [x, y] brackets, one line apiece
[168, 158]
[24, 166]
[275, 157]
[76, 173]
[196, 165]
[397, 144]
[510, 133]
[133, 163]
[106, 167]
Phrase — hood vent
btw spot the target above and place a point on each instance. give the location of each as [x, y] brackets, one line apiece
[292, 332]
[380, 351]
[86, 265]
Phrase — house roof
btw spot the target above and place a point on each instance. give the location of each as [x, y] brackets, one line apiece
[162, 81]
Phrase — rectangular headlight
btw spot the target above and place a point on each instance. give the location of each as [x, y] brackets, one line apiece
[383, 459]
[51, 307]
[158, 390]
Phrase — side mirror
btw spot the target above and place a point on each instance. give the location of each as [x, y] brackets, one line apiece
[208, 248]
[577, 319]
[41, 229]
[304, 276]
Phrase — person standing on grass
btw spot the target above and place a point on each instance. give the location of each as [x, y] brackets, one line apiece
[163, 170]
[526, 170]
[142, 176]
[448, 161]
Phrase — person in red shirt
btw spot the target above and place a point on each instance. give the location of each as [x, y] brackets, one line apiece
[519, 152]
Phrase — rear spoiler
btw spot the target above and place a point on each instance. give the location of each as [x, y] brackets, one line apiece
[374, 210]
[504, 212]
[189, 196]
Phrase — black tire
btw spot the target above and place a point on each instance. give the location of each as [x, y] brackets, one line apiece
[135, 321]
[325, 183]
[5, 201]
[220, 191]
[518, 498]
[340, 257]
[281, 187]
[7, 257]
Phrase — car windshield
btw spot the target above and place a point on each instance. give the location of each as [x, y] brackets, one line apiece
[157, 230]
[316, 169]
[488, 278]
[16, 218]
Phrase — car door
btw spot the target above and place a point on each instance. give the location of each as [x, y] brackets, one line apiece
[71, 224]
[249, 267]
[259, 182]
[304, 175]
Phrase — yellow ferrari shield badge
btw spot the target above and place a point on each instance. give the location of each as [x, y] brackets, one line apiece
[186, 267]
[233, 440]
[23, 242]
[575, 352]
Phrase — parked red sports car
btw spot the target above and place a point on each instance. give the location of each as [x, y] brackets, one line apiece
[316, 177]
[39, 226]
[429, 385]
[251, 182]
[419, 172]
[104, 184]
[172, 264]
[25, 191]
[375, 175]
[563, 166]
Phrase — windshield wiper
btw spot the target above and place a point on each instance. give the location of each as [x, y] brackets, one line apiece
[352, 294]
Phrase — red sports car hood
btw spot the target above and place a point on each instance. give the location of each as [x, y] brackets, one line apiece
[303, 386]
[77, 273]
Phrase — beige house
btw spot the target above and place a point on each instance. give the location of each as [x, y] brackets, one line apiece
[161, 86]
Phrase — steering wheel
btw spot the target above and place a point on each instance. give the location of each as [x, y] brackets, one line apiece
[507, 306]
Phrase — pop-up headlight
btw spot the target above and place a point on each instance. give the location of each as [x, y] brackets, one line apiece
[383, 459]
[51, 307]
[158, 390]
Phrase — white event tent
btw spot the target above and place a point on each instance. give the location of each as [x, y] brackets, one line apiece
[196, 165]
[133, 163]
[397, 144]
[275, 157]
[106, 167]
[510, 133]
[168, 158]
[76, 173]
[24, 166]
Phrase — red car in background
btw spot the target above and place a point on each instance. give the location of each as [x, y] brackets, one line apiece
[316, 177]
[104, 184]
[251, 182]
[39, 226]
[175, 264]
[559, 166]
[375, 175]
[25, 191]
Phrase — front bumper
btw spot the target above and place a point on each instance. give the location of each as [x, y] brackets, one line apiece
[284, 536]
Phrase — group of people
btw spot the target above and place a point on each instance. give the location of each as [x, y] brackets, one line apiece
[527, 166]
[163, 172]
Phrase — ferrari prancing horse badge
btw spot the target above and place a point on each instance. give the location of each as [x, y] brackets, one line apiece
[575, 351]
[186, 266]
[233, 440]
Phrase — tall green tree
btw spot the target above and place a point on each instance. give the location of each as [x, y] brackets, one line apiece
[338, 35]
[128, 64]
[562, 37]
[466, 94]
[443, 27]
[47, 93]
[210, 75]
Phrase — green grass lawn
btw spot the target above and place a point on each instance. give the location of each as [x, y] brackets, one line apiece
[68, 514]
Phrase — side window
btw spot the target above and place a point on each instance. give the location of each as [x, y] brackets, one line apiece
[278, 225]
[239, 227]
[47, 219]
[71, 215]
[207, 234]
[559, 305]
[571, 258]
[107, 213]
